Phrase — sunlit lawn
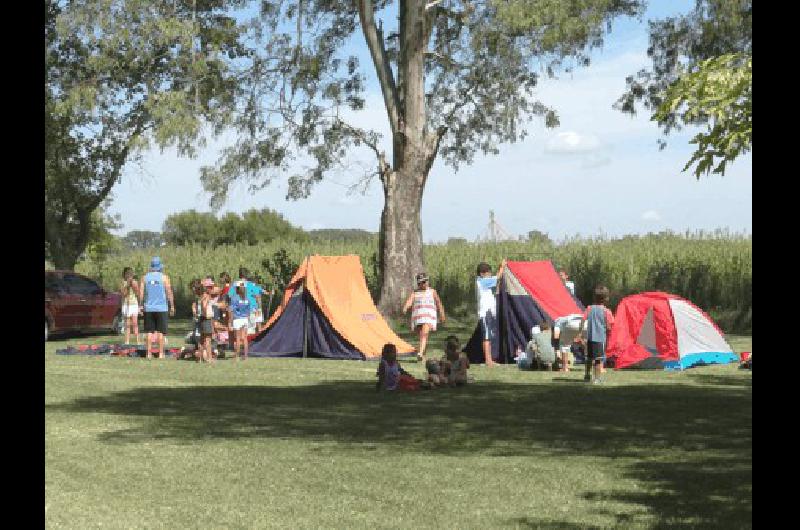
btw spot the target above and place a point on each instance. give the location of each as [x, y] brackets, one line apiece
[299, 443]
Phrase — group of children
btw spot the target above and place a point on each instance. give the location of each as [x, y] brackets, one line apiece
[224, 316]
[450, 370]
[228, 313]
[577, 335]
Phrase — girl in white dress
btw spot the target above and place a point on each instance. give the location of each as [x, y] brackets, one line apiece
[424, 303]
[130, 304]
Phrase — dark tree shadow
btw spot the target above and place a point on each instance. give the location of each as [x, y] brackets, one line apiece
[722, 380]
[531, 522]
[708, 430]
[707, 492]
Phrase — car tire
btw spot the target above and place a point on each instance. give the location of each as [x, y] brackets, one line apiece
[117, 325]
[46, 330]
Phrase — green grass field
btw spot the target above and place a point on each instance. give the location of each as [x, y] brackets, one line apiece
[281, 443]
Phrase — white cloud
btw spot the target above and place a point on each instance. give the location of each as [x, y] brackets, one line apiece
[572, 142]
[596, 148]
[651, 215]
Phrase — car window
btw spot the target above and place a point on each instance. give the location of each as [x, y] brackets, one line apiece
[53, 283]
[80, 285]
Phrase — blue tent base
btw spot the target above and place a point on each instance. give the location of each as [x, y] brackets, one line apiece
[687, 361]
[302, 321]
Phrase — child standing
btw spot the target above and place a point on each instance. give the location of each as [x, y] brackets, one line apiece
[224, 283]
[485, 288]
[424, 302]
[129, 290]
[598, 322]
[240, 308]
[222, 324]
[206, 320]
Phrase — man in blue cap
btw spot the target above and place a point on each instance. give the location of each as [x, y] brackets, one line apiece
[156, 291]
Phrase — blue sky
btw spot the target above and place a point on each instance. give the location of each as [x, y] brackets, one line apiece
[600, 172]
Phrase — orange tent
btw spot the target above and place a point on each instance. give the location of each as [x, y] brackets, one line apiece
[327, 311]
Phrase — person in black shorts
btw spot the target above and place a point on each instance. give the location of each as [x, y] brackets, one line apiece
[156, 292]
[598, 321]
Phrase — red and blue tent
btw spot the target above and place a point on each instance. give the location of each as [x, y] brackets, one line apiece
[528, 293]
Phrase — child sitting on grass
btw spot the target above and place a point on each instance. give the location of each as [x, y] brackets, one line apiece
[389, 369]
[457, 362]
[435, 370]
[541, 348]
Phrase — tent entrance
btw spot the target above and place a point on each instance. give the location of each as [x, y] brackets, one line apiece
[303, 331]
[647, 334]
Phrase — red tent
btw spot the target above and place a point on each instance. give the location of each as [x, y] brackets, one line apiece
[662, 330]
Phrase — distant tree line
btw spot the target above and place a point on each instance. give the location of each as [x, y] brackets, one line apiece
[343, 234]
[258, 226]
[251, 227]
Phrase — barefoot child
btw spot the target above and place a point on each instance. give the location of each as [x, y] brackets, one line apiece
[241, 309]
[206, 320]
[485, 288]
[424, 302]
[222, 325]
[598, 322]
[130, 304]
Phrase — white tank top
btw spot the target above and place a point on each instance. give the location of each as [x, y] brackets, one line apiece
[423, 306]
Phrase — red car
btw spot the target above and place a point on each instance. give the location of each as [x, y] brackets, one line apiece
[73, 302]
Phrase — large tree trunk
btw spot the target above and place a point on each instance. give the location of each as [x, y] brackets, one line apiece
[414, 149]
[65, 262]
[400, 240]
[401, 228]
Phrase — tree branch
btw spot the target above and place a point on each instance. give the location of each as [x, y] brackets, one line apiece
[432, 142]
[358, 133]
[374, 38]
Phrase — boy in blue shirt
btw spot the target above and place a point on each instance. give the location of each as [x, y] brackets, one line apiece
[485, 288]
[253, 293]
[240, 308]
[597, 324]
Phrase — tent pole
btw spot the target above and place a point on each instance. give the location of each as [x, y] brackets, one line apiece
[305, 326]
[305, 315]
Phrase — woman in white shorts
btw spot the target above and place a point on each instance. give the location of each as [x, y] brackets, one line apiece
[130, 304]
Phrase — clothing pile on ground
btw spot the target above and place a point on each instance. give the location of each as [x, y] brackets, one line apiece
[116, 350]
[747, 361]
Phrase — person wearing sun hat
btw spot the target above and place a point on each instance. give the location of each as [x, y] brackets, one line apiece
[156, 291]
[424, 302]
[206, 320]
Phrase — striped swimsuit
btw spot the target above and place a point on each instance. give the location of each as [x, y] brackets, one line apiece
[423, 309]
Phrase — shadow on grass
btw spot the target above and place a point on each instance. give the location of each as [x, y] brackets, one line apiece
[722, 380]
[691, 443]
[704, 492]
[531, 522]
